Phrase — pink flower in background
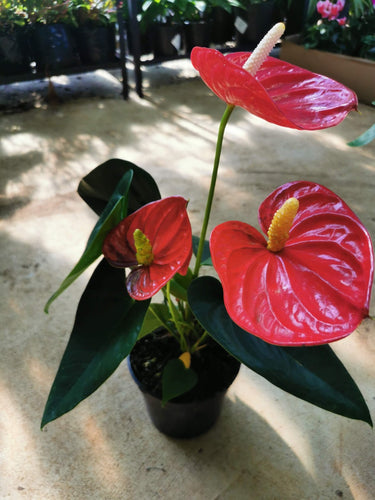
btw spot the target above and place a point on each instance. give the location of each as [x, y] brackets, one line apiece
[329, 10]
[334, 12]
[342, 20]
[324, 8]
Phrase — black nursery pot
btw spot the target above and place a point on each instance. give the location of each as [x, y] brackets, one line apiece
[14, 52]
[259, 18]
[54, 47]
[145, 41]
[197, 34]
[96, 44]
[167, 40]
[195, 412]
[222, 26]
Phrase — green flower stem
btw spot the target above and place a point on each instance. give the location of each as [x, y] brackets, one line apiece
[198, 343]
[176, 321]
[219, 143]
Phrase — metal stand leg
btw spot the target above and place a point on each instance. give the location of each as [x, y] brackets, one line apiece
[136, 45]
[120, 22]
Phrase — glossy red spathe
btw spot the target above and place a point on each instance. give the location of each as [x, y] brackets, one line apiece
[166, 225]
[316, 289]
[280, 93]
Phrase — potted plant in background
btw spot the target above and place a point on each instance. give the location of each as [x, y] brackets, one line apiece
[256, 18]
[221, 14]
[338, 41]
[14, 47]
[166, 28]
[197, 25]
[142, 29]
[175, 25]
[343, 29]
[279, 302]
[295, 14]
[53, 39]
[215, 17]
[96, 32]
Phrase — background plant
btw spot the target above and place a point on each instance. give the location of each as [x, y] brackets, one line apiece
[358, 7]
[351, 32]
[12, 14]
[176, 11]
[95, 12]
[227, 5]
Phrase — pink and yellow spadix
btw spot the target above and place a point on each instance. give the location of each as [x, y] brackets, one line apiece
[314, 287]
[155, 242]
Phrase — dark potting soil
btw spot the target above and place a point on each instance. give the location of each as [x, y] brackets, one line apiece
[216, 369]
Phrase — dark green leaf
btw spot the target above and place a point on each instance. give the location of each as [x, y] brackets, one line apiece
[180, 285]
[105, 330]
[365, 138]
[314, 374]
[112, 214]
[177, 379]
[97, 187]
[157, 315]
[206, 255]
[360, 6]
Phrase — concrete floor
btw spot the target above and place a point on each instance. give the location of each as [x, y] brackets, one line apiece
[267, 444]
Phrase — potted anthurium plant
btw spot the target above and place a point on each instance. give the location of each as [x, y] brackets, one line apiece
[96, 33]
[280, 300]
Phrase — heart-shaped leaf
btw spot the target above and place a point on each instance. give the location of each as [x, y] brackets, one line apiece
[177, 380]
[96, 188]
[105, 330]
[314, 374]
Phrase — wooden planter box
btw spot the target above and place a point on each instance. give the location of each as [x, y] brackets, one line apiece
[356, 73]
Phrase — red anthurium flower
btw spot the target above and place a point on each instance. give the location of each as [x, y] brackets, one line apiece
[280, 92]
[311, 282]
[155, 242]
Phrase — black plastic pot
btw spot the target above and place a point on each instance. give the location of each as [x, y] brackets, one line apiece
[189, 416]
[96, 44]
[167, 40]
[197, 34]
[222, 26]
[54, 47]
[184, 420]
[296, 16]
[145, 41]
[258, 20]
[14, 52]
